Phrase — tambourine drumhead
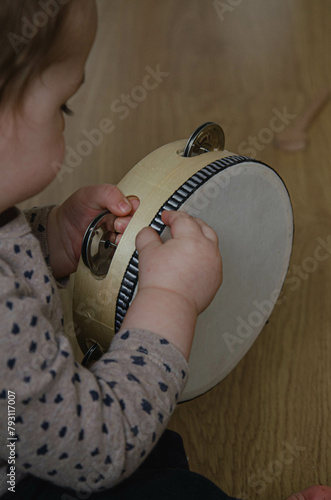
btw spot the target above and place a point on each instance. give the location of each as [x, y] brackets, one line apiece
[250, 210]
[248, 206]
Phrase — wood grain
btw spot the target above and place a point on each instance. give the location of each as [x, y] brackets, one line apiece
[265, 431]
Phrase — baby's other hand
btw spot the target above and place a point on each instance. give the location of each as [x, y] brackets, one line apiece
[68, 222]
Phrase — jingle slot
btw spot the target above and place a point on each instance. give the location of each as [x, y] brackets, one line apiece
[93, 353]
[99, 245]
[206, 138]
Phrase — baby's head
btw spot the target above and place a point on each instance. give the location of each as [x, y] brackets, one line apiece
[44, 47]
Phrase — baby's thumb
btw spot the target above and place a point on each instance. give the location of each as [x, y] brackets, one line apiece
[146, 237]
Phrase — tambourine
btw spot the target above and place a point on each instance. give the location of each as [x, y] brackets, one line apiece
[247, 205]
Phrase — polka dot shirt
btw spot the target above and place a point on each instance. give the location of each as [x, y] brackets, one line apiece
[82, 429]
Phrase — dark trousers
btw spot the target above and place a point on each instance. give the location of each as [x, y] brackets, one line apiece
[164, 475]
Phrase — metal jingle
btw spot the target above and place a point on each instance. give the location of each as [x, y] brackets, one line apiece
[208, 137]
[98, 245]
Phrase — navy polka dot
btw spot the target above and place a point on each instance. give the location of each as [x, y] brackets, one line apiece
[122, 404]
[19, 420]
[43, 398]
[17, 249]
[82, 479]
[42, 450]
[34, 320]
[58, 399]
[94, 395]
[104, 429]
[163, 387]
[107, 400]
[52, 472]
[107, 361]
[75, 378]
[132, 378]
[160, 417]
[26, 401]
[142, 454]
[27, 465]
[95, 452]
[153, 437]
[112, 384]
[27, 379]
[41, 228]
[11, 362]
[53, 373]
[47, 336]
[78, 466]
[164, 341]
[33, 346]
[63, 456]
[142, 350]
[15, 329]
[79, 410]
[167, 367]
[62, 432]
[29, 274]
[29, 253]
[65, 354]
[33, 216]
[129, 447]
[138, 360]
[183, 374]
[146, 406]
[46, 278]
[135, 430]
[108, 460]
[9, 305]
[125, 336]
[45, 425]
[81, 435]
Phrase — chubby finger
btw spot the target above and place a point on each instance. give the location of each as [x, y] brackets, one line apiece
[107, 196]
[121, 223]
[147, 236]
[182, 224]
[207, 230]
[134, 202]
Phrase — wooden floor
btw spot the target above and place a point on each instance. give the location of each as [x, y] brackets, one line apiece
[265, 431]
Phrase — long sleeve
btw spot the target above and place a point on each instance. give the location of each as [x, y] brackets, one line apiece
[83, 429]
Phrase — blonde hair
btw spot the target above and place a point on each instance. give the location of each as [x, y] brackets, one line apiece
[29, 32]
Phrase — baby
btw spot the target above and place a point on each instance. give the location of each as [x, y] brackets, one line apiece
[68, 432]
[80, 430]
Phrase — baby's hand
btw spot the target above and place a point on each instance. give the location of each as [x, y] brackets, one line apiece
[189, 264]
[177, 279]
[68, 222]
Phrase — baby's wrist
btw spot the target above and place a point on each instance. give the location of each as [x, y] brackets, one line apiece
[165, 313]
